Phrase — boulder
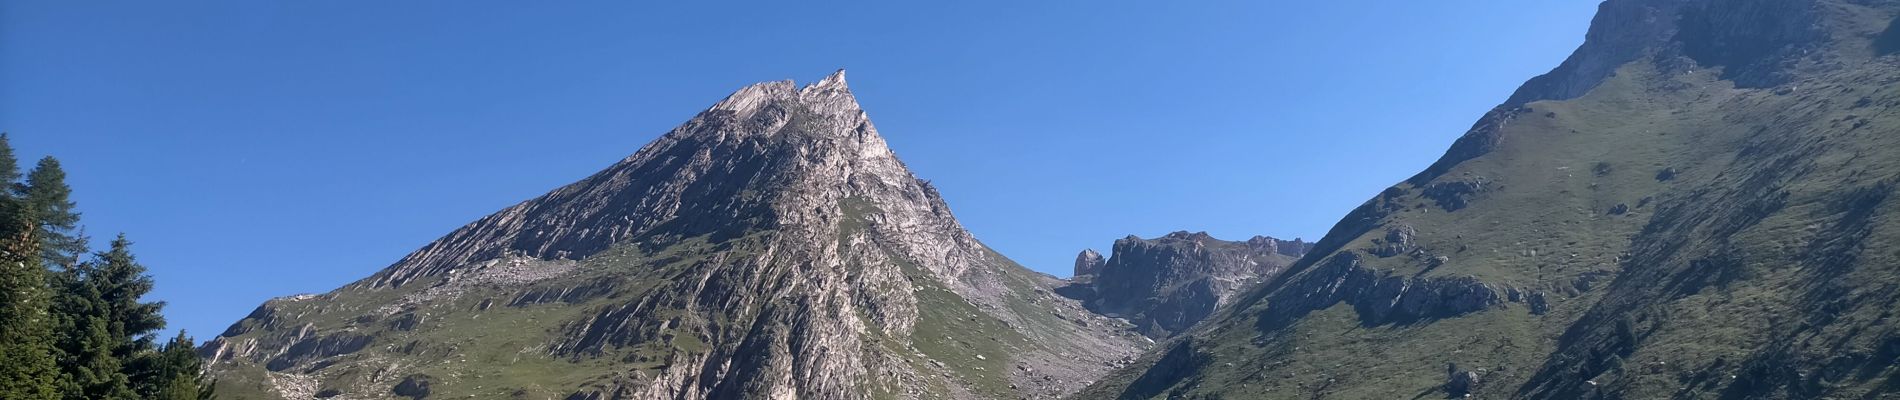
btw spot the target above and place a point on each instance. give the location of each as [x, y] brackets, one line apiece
[413, 386]
[1460, 382]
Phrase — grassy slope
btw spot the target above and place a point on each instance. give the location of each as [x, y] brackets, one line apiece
[974, 349]
[1551, 202]
[1549, 199]
[500, 352]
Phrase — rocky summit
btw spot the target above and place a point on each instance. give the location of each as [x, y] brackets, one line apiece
[1168, 284]
[772, 247]
[1697, 204]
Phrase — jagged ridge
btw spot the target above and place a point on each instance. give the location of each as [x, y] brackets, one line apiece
[1167, 284]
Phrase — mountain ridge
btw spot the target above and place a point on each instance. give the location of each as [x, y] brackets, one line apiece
[771, 247]
[1167, 284]
[1690, 206]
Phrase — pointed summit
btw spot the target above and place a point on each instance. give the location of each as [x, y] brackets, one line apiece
[835, 81]
[771, 247]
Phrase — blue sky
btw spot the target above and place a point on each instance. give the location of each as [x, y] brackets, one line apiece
[257, 149]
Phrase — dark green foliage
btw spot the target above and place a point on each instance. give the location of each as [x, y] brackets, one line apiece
[49, 201]
[79, 331]
[173, 373]
[89, 370]
[27, 366]
[9, 164]
[108, 329]
[121, 283]
[26, 358]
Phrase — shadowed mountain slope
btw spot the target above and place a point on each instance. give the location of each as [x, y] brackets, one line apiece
[1696, 205]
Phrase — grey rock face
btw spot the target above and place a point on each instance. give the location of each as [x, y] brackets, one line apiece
[1398, 240]
[1167, 284]
[1460, 382]
[773, 247]
[1455, 195]
[1295, 248]
[1380, 297]
[413, 386]
[1089, 262]
[1755, 41]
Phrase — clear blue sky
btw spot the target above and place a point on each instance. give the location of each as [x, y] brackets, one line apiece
[256, 149]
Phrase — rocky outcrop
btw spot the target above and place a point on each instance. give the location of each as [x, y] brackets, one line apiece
[1167, 284]
[1754, 39]
[316, 348]
[1460, 382]
[1755, 42]
[1089, 263]
[413, 386]
[1622, 32]
[1381, 297]
[1454, 195]
[771, 247]
[1398, 240]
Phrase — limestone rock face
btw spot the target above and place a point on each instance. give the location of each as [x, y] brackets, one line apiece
[1167, 284]
[772, 247]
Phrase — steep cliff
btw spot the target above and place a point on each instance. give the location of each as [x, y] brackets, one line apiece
[772, 247]
[1694, 205]
[1167, 284]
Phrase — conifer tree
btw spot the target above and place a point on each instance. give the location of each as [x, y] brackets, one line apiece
[49, 201]
[174, 372]
[80, 330]
[9, 164]
[89, 370]
[122, 283]
[28, 368]
[108, 329]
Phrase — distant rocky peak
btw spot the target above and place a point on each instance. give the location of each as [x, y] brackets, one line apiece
[1295, 248]
[1089, 262]
[1167, 284]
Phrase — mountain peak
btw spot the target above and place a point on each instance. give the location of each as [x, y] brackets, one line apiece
[790, 145]
[771, 247]
[757, 94]
[835, 81]
[1167, 284]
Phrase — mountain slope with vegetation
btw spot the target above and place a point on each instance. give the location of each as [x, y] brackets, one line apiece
[772, 247]
[1696, 204]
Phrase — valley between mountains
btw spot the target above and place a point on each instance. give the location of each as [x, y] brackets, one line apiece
[1694, 205]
